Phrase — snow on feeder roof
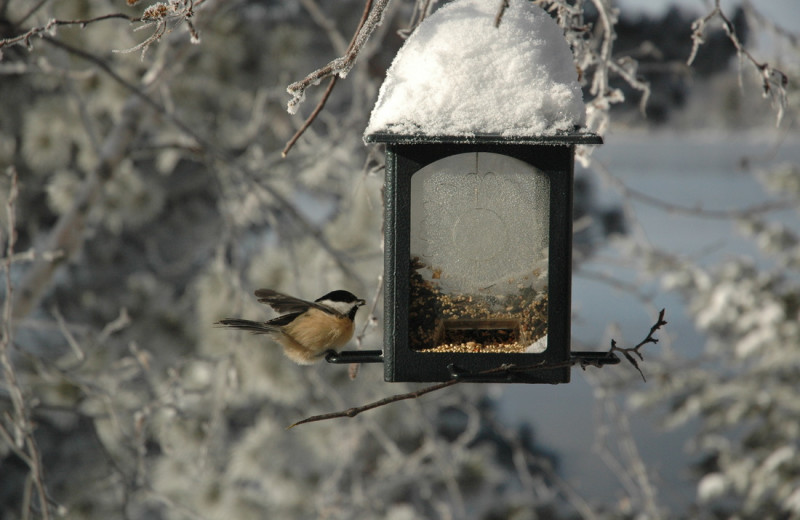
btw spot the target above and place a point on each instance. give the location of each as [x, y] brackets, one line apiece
[459, 75]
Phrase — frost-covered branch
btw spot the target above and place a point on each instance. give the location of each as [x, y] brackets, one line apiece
[162, 17]
[773, 80]
[352, 51]
[50, 28]
[342, 65]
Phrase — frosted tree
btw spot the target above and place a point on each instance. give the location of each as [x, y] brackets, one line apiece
[740, 390]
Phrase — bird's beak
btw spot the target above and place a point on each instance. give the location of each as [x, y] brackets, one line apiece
[360, 302]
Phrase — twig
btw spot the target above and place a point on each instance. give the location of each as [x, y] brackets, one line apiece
[773, 81]
[352, 412]
[326, 95]
[635, 350]
[159, 15]
[71, 341]
[499, 16]
[310, 118]
[26, 37]
[342, 65]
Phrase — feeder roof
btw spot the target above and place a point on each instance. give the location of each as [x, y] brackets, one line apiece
[458, 75]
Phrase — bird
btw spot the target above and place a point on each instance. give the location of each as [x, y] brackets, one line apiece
[308, 330]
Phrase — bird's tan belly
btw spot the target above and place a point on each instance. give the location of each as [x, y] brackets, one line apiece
[318, 331]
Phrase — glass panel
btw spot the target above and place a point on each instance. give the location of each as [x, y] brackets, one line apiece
[479, 255]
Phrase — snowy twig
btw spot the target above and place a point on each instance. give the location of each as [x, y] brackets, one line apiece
[773, 81]
[158, 15]
[342, 65]
[310, 118]
[574, 360]
[351, 51]
[627, 69]
[608, 21]
[52, 24]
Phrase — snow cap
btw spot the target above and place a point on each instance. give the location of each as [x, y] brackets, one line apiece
[458, 75]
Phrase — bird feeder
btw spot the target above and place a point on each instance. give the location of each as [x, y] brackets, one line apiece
[480, 127]
[478, 256]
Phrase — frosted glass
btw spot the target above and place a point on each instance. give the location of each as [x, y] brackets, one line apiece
[479, 246]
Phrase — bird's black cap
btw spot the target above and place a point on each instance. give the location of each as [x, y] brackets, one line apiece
[339, 296]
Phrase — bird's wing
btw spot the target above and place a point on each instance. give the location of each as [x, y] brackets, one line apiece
[285, 303]
[286, 319]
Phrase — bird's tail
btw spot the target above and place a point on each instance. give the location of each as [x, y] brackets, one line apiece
[255, 327]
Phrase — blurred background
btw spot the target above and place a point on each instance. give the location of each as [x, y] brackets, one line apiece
[145, 196]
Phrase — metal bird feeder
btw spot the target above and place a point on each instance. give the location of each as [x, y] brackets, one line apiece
[478, 259]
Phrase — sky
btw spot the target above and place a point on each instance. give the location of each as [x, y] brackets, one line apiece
[785, 13]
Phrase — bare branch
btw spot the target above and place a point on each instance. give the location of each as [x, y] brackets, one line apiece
[627, 352]
[575, 360]
[352, 412]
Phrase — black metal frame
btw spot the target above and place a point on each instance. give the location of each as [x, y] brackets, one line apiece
[406, 155]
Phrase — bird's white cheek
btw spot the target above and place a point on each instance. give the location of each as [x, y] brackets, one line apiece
[341, 307]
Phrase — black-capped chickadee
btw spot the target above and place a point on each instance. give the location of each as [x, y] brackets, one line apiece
[310, 329]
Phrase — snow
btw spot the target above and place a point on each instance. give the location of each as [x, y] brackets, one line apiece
[538, 346]
[459, 75]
